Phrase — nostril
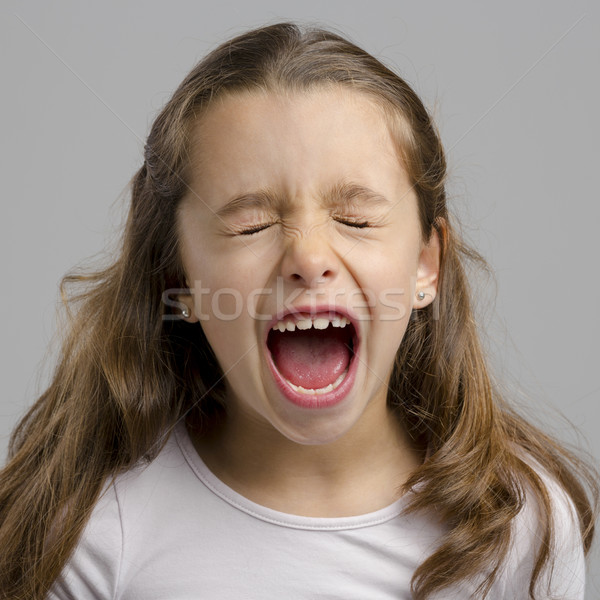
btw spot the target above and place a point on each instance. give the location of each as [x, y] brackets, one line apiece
[322, 279]
[309, 273]
[325, 275]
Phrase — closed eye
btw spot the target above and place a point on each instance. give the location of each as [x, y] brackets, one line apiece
[258, 228]
[357, 224]
[254, 229]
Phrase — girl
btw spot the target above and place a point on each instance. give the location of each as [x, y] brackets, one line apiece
[277, 390]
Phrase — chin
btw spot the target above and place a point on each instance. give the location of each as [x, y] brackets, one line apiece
[317, 428]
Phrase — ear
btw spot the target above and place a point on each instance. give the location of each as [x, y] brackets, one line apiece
[186, 303]
[428, 268]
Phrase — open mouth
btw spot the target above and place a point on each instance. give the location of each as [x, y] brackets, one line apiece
[312, 357]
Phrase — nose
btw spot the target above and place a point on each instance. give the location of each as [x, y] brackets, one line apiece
[309, 260]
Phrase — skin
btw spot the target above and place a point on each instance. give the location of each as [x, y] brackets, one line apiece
[345, 459]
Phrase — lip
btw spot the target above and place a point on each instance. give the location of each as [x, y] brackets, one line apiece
[312, 401]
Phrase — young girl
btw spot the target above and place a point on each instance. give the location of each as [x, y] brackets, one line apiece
[277, 390]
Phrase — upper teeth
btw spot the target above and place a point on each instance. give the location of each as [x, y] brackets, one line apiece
[318, 323]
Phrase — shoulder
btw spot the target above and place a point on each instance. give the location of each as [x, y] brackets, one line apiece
[94, 565]
[564, 574]
[127, 504]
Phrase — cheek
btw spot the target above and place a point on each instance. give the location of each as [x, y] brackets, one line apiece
[223, 304]
[219, 289]
[223, 301]
[229, 334]
[389, 283]
[394, 305]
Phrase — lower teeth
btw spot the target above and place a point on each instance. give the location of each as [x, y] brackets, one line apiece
[329, 388]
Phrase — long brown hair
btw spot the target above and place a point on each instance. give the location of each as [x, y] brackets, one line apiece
[126, 374]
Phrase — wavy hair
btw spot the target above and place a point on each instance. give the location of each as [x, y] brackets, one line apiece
[126, 374]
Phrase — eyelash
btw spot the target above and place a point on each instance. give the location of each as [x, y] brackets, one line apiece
[255, 229]
[356, 224]
[259, 228]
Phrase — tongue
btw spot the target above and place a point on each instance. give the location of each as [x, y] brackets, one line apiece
[311, 358]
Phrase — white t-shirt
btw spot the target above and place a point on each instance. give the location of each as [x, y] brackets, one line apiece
[172, 530]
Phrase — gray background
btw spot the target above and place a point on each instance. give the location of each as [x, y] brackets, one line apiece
[515, 90]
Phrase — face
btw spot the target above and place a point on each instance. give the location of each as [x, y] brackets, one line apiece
[300, 217]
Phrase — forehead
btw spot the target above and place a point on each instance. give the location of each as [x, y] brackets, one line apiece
[292, 142]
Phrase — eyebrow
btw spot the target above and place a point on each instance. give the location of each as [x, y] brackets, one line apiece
[342, 194]
[262, 199]
[346, 194]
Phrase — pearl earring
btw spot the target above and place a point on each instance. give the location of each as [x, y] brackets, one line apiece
[421, 295]
[185, 312]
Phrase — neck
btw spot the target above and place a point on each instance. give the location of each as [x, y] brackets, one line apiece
[358, 473]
